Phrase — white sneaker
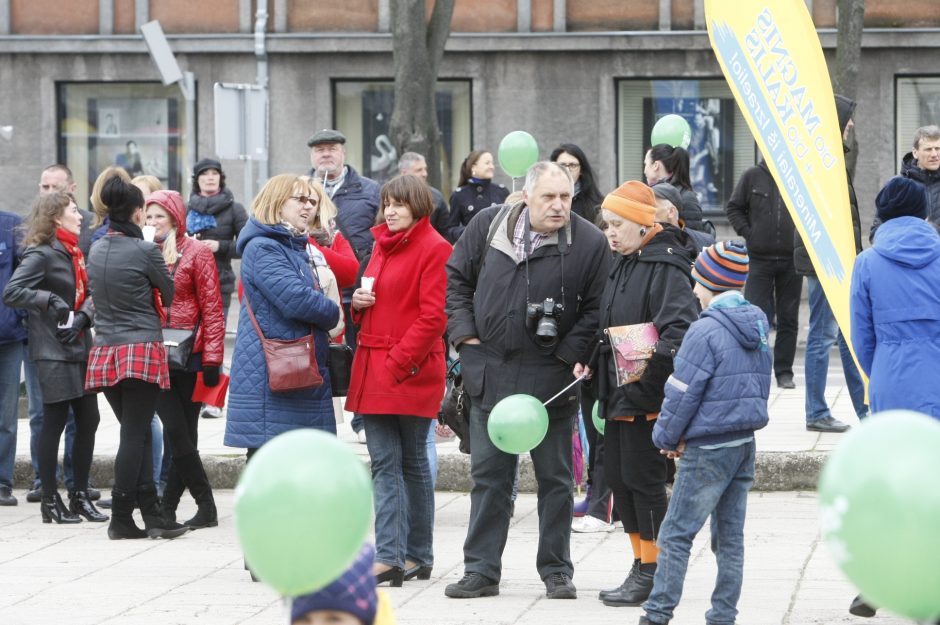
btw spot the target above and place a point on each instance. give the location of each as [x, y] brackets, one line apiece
[589, 524]
[211, 412]
[361, 437]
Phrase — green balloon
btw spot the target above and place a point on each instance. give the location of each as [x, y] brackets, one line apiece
[518, 151]
[672, 130]
[879, 506]
[517, 424]
[599, 424]
[303, 509]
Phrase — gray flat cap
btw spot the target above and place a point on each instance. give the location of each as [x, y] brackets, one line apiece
[666, 191]
[326, 136]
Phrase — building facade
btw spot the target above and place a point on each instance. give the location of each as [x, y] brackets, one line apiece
[79, 87]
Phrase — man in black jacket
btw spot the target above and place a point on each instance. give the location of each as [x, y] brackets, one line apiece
[538, 254]
[823, 329]
[922, 164]
[757, 212]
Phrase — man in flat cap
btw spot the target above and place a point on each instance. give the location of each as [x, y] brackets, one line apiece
[357, 202]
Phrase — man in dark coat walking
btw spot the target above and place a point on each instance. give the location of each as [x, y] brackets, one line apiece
[516, 270]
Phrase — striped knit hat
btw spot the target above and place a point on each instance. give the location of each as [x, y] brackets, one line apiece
[722, 266]
[353, 592]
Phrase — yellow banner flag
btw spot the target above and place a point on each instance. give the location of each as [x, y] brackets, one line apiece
[773, 62]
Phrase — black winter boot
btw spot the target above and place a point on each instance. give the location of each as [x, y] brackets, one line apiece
[157, 526]
[172, 493]
[122, 522]
[634, 591]
[194, 475]
[53, 509]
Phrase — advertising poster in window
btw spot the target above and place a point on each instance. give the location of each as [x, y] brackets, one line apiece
[711, 157]
[138, 134]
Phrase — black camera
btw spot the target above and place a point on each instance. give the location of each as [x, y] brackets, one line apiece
[544, 318]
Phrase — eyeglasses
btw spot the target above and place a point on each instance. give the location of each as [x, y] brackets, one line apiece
[304, 199]
[569, 166]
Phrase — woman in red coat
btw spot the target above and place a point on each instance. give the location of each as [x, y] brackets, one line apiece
[398, 374]
[196, 304]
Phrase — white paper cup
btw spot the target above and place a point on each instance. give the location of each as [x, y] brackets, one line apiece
[368, 283]
[149, 232]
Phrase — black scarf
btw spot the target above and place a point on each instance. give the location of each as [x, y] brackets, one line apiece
[127, 228]
[213, 204]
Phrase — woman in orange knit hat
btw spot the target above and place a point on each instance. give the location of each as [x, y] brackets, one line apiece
[647, 306]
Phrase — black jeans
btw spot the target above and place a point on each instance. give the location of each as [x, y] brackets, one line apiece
[774, 286]
[636, 472]
[54, 417]
[493, 472]
[180, 414]
[133, 402]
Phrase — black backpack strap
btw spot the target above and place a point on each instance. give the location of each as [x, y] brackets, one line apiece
[494, 226]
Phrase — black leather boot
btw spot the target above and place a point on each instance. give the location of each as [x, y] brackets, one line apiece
[172, 493]
[632, 593]
[157, 526]
[53, 509]
[80, 503]
[122, 520]
[194, 476]
[614, 591]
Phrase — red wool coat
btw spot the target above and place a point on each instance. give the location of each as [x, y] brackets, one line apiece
[399, 366]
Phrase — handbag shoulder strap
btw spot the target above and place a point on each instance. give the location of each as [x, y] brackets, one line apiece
[251, 315]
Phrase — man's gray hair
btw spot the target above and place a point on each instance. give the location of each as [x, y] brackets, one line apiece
[931, 132]
[540, 169]
[408, 160]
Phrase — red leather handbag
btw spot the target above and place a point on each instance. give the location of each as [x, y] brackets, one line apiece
[292, 363]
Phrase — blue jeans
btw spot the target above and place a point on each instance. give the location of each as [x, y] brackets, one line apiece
[404, 493]
[156, 432]
[11, 361]
[34, 398]
[823, 333]
[709, 482]
[432, 452]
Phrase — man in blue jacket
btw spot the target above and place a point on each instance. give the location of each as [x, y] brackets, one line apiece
[12, 351]
[357, 202]
[715, 399]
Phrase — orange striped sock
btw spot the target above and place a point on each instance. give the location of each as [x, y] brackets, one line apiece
[635, 543]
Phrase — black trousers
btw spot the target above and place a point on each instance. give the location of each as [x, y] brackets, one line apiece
[55, 415]
[636, 472]
[774, 286]
[180, 414]
[133, 402]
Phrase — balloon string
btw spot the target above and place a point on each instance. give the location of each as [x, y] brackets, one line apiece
[514, 184]
[562, 391]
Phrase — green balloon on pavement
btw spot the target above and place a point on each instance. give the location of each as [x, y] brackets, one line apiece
[672, 130]
[599, 424]
[518, 151]
[517, 424]
[303, 509]
[879, 507]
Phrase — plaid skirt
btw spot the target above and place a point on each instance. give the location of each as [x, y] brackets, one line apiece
[109, 364]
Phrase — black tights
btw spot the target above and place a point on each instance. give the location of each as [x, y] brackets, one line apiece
[133, 402]
[53, 422]
[180, 414]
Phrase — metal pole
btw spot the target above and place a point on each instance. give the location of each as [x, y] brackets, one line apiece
[261, 54]
[188, 87]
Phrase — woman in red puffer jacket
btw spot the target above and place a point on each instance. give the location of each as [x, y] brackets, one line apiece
[196, 304]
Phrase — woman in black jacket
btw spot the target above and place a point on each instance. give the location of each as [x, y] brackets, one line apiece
[130, 285]
[587, 199]
[52, 285]
[475, 191]
[215, 218]
[652, 287]
[664, 163]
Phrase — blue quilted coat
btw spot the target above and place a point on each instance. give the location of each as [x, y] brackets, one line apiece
[719, 389]
[278, 283]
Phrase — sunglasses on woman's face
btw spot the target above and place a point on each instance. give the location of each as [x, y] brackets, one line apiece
[304, 199]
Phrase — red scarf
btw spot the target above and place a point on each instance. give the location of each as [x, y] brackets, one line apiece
[70, 242]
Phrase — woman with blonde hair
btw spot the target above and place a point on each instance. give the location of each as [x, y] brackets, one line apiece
[98, 207]
[282, 295]
[327, 239]
[147, 184]
[51, 283]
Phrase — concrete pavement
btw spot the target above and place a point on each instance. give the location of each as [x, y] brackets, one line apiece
[53, 574]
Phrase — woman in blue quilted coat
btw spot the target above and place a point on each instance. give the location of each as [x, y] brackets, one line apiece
[287, 303]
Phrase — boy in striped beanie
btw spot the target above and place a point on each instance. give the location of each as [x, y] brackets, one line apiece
[715, 399]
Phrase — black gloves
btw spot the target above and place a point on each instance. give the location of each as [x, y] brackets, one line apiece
[79, 323]
[210, 376]
[322, 236]
[59, 308]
